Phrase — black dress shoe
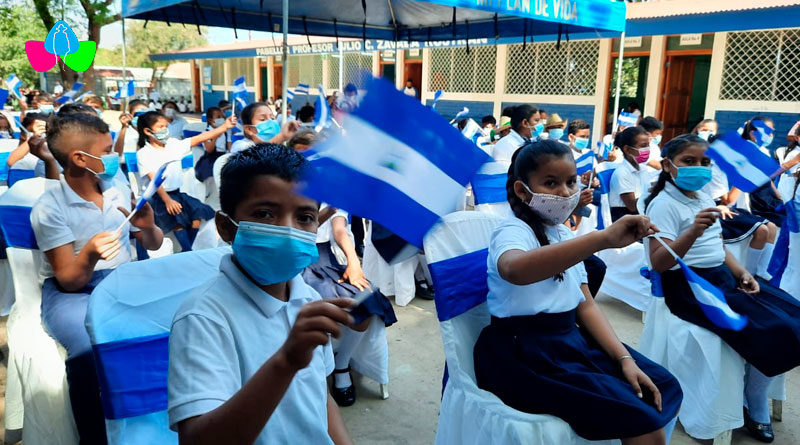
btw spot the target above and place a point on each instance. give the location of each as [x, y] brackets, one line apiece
[424, 292]
[761, 431]
[343, 396]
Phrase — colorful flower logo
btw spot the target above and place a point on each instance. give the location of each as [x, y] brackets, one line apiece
[61, 42]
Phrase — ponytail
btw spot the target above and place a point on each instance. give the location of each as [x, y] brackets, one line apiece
[663, 178]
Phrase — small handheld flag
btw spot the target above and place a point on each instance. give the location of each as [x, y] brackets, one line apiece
[302, 88]
[158, 178]
[461, 114]
[14, 84]
[289, 95]
[129, 91]
[745, 165]
[240, 92]
[436, 96]
[472, 131]
[585, 162]
[711, 300]
[322, 113]
[70, 95]
[627, 119]
[85, 93]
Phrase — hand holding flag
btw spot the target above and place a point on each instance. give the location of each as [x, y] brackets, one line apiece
[436, 96]
[585, 162]
[70, 95]
[158, 179]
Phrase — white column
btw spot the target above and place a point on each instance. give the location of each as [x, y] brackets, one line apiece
[257, 79]
[270, 76]
[600, 90]
[715, 75]
[655, 72]
[376, 63]
[226, 77]
[326, 59]
[424, 94]
[399, 68]
[500, 80]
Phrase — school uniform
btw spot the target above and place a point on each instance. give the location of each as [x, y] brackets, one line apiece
[242, 145]
[62, 217]
[325, 274]
[771, 339]
[149, 160]
[204, 168]
[626, 179]
[176, 127]
[505, 148]
[536, 359]
[129, 145]
[739, 226]
[788, 178]
[221, 336]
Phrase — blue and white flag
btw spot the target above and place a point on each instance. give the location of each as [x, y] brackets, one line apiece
[764, 130]
[70, 95]
[605, 146]
[129, 91]
[302, 89]
[436, 96]
[745, 165]
[3, 97]
[240, 92]
[289, 95]
[85, 93]
[461, 114]
[780, 255]
[472, 131]
[322, 112]
[627, 119]
[14, 85]
[585, 162]
[415, 172]
[158, 178]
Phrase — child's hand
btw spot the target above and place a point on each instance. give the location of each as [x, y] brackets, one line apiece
[705, 219]
[748, 284]
[587, 195]
[230, 122]
[629, 229]
[726, 212]
[104, 246]
[289, 129]
[638, 379]
[355, 276]
[39, 127]
[125, 119]
[173, 207]
[38, 147]
[585, 178]
[143, 219]
[315, 322]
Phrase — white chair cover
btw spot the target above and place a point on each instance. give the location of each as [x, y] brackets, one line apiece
[392, 279]
[217, 169]
[127, 309]
[371, 356]
[469, 414]
[623, 279]
[790, 281]
[37, 399]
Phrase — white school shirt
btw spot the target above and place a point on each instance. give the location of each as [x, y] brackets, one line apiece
[718, 185]
[626, 179]
[61, 217]
[221, 144]
[150, 159]
[505, 148]
[223, 333]
[674, 213]
[176, 127]
[549, 295]
[242, 145]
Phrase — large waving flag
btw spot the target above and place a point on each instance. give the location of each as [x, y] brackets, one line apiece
[585, 162]
[712, 301]
[302, 88]
[240, 91]
[14, 85]
[745, 165]
[415, 172]
[780, 255]
[129, 91]
[289, 95]
[627, 119]
[70, 95]
[322, 112]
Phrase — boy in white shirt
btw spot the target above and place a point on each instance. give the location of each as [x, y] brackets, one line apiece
[250, 349]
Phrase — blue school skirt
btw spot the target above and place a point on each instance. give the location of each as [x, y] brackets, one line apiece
[740, 226]
[193, 210]
[324, 276]
[545, 364]
[771, 339]
[619, 212]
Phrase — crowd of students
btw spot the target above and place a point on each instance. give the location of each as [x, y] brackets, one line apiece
[250, 349]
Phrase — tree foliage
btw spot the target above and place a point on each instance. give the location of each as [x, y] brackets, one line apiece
[18, 25]
[157, 37]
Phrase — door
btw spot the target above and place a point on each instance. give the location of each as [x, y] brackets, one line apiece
[677, 95]
[413, 71]
[264, 93]
[196, 88]
[387, 71]
[277, 80]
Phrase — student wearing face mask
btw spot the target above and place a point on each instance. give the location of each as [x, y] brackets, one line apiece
[554, 128]
[525, 126]
[174, 210]
[43, 104]
[549, 349]
[96, 103]
[6, 130]
[176, 121]
[655, 129]
[626, 183]
[128, 136]
[75, 224]
[259, 124]
[213, 149]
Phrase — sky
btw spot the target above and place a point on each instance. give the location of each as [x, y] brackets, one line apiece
[111, 35]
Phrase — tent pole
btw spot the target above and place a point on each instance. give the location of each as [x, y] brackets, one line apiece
[285, 69]
[124, 103]
[619, 81]
[341, 70]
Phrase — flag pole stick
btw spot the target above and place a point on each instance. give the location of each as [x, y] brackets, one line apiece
[127, 218]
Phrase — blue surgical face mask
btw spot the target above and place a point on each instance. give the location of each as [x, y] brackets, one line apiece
[136, 115]
[556, 133]
[45, 109]
[273, 254]
[692, 178]
[581, 143]
[5, 134]
[656, 140]
[705, 135]
[110, 165]
[268, 129]
[538, 128]
[218, 122]
[161, 135]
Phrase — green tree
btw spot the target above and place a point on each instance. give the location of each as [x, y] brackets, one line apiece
[18, 25]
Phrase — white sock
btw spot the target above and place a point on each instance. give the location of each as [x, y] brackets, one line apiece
[755, 394]
[348, 342]
[753, 258]
[763, 263]
[342, 380]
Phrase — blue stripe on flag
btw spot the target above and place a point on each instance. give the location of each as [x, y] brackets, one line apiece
[422, 129]
[712, 301]
[605, 180]
[744, 164]
[17, 229]
[133, 375]
[780, 255]
[4, 165]
[14, 85]
[322, 113]
[301, 88]
[130, 161]
[460, 283]
[490, 189]
[18, 174]
[585, 162]
[69, 95]
[187, 161]
[370, 197]
[627, 119]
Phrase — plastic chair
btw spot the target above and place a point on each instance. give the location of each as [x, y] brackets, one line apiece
[456, 250]
[128, 320]
[489, 188]
[36, 393]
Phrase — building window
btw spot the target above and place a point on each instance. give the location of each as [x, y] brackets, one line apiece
[762, 66]
[242, 67]
[456, 71]
[217, 71]
[541, 68]
[305, 69]
[357, 69]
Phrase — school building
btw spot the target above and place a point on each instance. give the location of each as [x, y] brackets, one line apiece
[683, 60]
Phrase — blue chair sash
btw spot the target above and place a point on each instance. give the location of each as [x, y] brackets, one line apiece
[461, 283]
[16, 224]
[187, 161]
[18, 174]
[131, 162]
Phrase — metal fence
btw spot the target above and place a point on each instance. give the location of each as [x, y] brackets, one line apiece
[456, 71]
[541, 68]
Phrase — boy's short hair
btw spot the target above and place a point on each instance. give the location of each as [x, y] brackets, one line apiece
[80, 122]
[29, 118]
[44, 97]
[488, 120]
[577, 125]
[92, 98]
[304, 136]
[262, 159]
[248, 112]
[651, 124]
[76, 107]
[306, 114]
[135, 103]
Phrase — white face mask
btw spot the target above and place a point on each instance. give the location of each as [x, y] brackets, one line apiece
[554, 209]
